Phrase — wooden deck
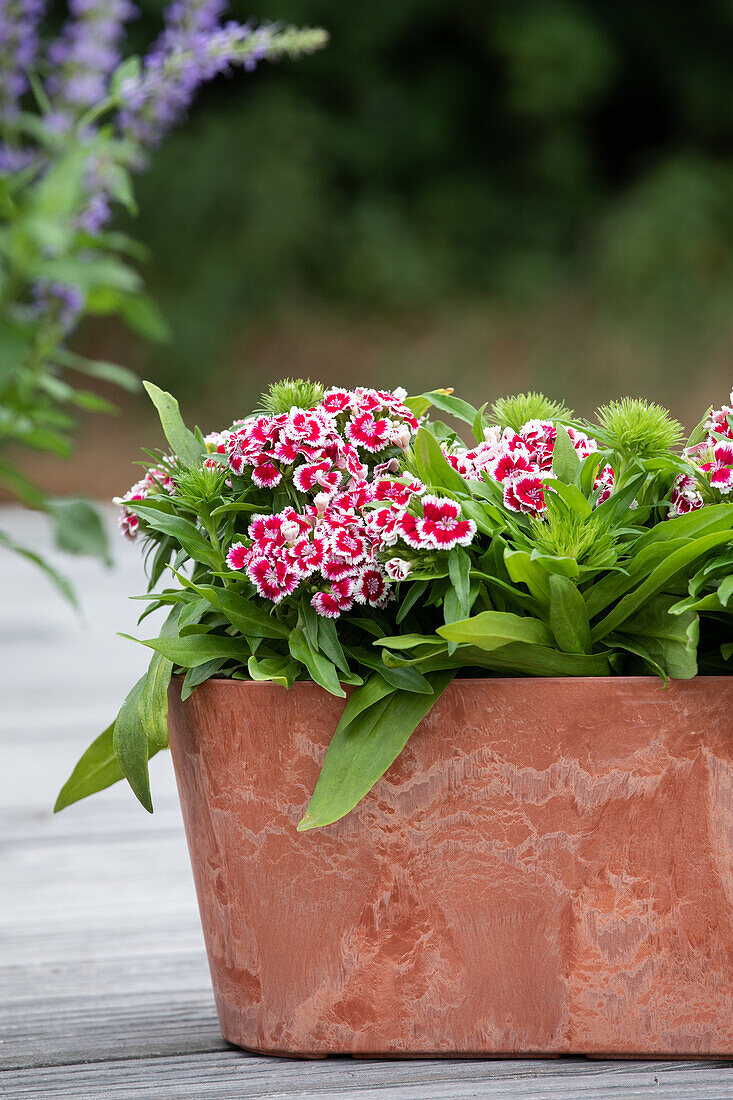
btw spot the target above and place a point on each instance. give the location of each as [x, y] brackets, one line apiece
[104, 987]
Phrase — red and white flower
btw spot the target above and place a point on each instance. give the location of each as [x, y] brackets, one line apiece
[685, 497]
[509, 464]
[272, 579]
[369, 433]
[326, 605]
[265, 473]
[371, 588]
[720, 470]
[318, 476]
[525, 493]
[443, 526]
[238, 556]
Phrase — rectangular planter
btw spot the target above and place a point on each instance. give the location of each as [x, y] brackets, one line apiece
[546, 869]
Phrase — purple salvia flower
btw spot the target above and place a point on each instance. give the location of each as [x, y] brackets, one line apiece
[192, 49]
[19, 21]
[86, 53]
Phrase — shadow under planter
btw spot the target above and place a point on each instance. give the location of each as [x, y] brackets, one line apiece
[546, 869]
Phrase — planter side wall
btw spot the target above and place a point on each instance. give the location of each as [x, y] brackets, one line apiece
[548, 868]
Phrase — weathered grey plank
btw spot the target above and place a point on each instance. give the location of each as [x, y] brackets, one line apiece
[212, 1076]
[104, 987]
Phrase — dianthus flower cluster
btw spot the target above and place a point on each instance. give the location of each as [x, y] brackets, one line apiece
[521, 461]
[713, 457]
[319, 449]
[342, 455]
[340, 463]
[336, 547]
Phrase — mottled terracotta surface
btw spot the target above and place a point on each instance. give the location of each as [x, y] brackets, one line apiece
[547, 868]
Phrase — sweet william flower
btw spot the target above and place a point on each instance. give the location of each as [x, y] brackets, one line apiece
[685, 497]
[442, 525]
[720, 470]
[238, 556]
[326, 605]
[272, 579]
[370, 434]
[525, 493]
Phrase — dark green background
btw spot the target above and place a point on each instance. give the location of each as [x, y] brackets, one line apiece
[567, 166]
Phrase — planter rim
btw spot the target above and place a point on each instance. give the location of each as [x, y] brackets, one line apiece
[620, 680]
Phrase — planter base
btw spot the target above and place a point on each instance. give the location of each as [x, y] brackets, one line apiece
[546, 870]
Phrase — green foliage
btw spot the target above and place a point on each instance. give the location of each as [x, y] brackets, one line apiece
[513, 412]
[599, 580]
[282, 396]
[638, 429]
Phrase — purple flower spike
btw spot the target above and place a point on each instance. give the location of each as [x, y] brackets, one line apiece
[192, 49]
[86, 54]
[19, 21]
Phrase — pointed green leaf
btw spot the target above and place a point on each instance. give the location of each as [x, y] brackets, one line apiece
[492, 629]
[184, 443]
[131, 746]
[569, 616]
[362, 751]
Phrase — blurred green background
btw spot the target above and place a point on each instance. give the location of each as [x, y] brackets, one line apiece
[491, 196]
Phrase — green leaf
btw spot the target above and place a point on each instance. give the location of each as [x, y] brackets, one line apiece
[96, 769]
[196, 545]
[372, 691]
[415, 592]
[657, 580]
[142, 315]
[362, 750]
[671, 640]
[432, 466]
[459, 569]
[131, 746]
[153, 703]
[568, 616]
[183, 442]
[329, 644]
[196, 649]
[79, 528]
[535, 660]
[99, 368]
[406, 679]
[449, 404]
[565, 460]
[199, 675]
[321, 670]
[244, 614]
[492, 629]
[276, 670]
[523, 570]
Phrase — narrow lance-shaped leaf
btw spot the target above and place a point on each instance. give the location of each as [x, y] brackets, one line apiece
[196, 649]
[131, 746]
[320, 669]
[492, 629]
[183, 442]
[362, 751]
[569, 616]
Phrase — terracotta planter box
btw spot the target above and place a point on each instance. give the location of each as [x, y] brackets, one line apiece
[547, 869]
